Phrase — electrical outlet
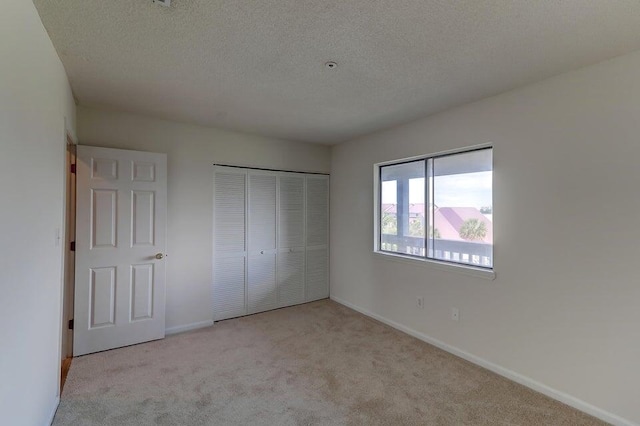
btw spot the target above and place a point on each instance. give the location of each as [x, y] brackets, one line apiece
[420, 302]
[455, 314]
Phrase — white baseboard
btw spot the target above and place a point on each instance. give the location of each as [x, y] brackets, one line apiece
[188, 327]
[52, 414]
[509, 374]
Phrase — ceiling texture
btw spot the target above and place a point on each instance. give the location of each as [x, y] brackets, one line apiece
[259, 66]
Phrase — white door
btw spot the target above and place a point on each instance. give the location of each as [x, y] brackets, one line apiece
[290, 239]
[229, 247]
[317, 231]
[261, 277]
[120, 248]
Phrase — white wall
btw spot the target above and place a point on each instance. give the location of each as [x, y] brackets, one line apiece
[564, 309]
[35, 103]
[191, 151]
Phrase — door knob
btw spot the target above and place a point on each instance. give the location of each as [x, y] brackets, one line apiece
[159, 256]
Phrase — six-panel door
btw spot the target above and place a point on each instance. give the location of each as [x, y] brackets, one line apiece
[120, 248]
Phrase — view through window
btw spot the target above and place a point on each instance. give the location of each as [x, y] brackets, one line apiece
[439, 207]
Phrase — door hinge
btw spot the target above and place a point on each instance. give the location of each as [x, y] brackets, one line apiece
[71, 324]
[72, 246]
[73, 168]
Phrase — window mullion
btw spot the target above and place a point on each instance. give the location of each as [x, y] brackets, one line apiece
[433, 207]
[427, 220]
[403, 207]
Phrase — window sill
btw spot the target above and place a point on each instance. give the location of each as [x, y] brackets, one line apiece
[486, 274]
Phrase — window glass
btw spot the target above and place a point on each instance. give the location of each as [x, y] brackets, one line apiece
[402, 209]
[462, 211]
[439, 207]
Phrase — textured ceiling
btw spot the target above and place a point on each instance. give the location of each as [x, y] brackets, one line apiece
[258, 66]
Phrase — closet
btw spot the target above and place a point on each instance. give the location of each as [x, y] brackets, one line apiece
[271, 240]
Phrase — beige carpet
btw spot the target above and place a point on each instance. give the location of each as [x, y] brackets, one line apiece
[314, 364]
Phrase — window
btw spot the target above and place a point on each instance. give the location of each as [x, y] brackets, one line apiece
[438, 207]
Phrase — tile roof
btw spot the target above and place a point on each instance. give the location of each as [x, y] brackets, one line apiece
[448, 220]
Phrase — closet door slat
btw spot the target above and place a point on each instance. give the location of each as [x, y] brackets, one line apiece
[317, 232]
[229, 212]
[317, 211]
[317, 273]
[261, 278]
[291, 277]
[262, 212]
[229, 252]
[291, 230]
[262, 282]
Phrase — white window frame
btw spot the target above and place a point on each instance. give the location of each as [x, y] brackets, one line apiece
[481, 272]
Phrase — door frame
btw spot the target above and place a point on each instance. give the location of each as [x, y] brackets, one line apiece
[68, 260]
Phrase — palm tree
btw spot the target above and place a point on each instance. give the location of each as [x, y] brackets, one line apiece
[389, 223]
[472, 230]
[416, 227]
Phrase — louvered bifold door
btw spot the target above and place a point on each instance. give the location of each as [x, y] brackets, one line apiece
[291, 250]
[317, 238]
[261, 282]
[229, 251]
